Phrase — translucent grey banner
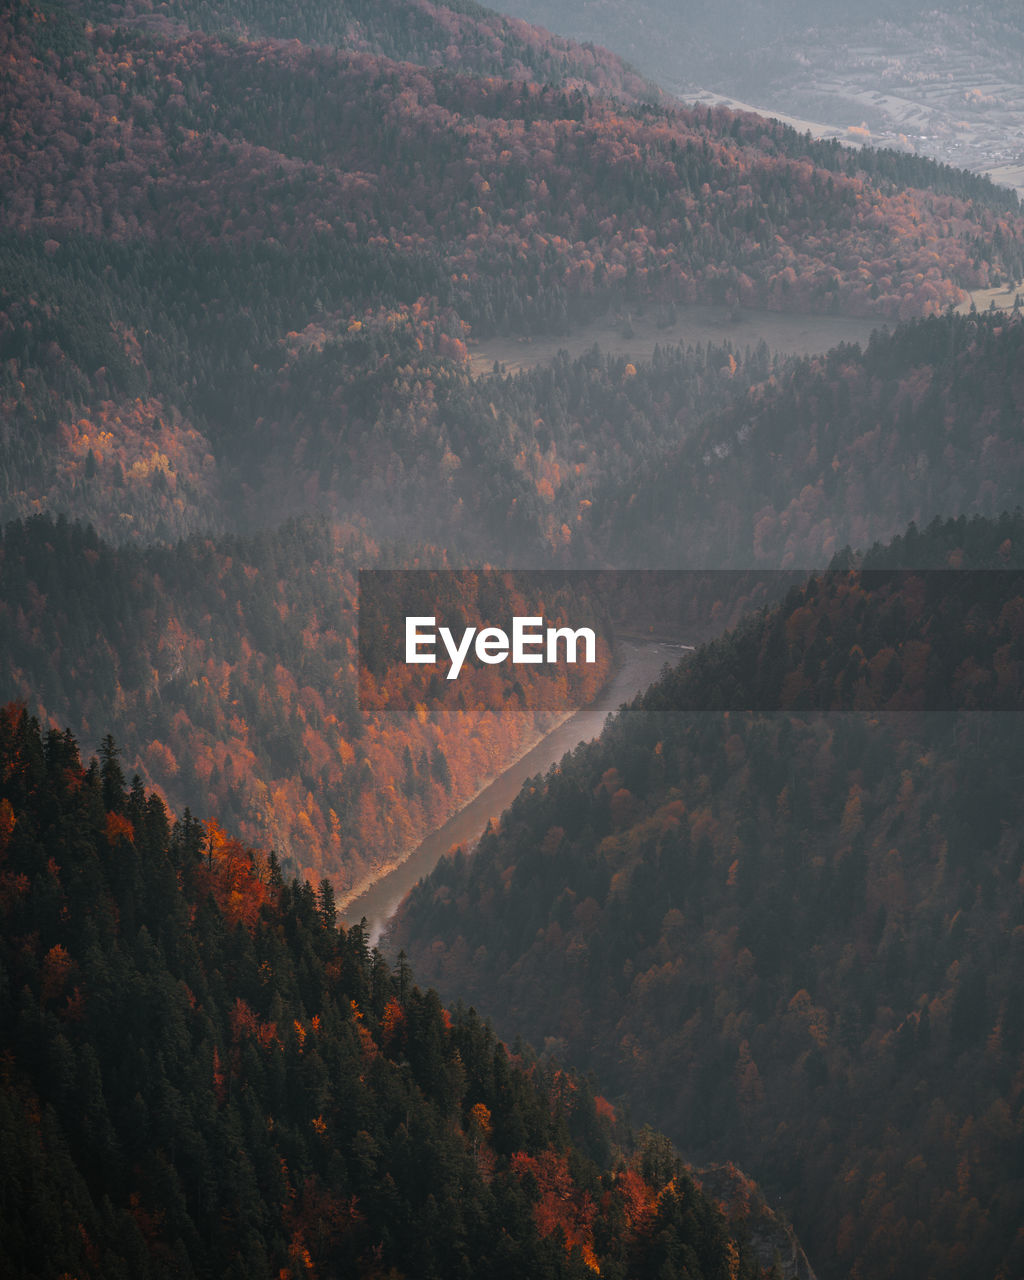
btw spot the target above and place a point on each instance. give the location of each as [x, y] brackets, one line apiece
[843, 640]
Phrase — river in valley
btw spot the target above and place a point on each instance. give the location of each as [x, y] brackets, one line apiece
[640, 663]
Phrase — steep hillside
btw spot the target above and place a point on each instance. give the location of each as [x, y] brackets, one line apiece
[203, 1076]
[794, 936]
[229, 672]
[843, 448]
[432, 33]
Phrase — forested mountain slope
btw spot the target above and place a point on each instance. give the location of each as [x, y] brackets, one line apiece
[228, 670]
[429, 32]
[193, 218]
[843, 448]
[795, 937]
[203, 1076]
[227, 666]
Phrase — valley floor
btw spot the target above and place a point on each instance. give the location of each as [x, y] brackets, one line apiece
[634, 335]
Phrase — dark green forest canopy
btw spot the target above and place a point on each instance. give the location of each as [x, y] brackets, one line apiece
[202, 1075]
[770, 931]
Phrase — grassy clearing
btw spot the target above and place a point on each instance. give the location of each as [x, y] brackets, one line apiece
[634, 336]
